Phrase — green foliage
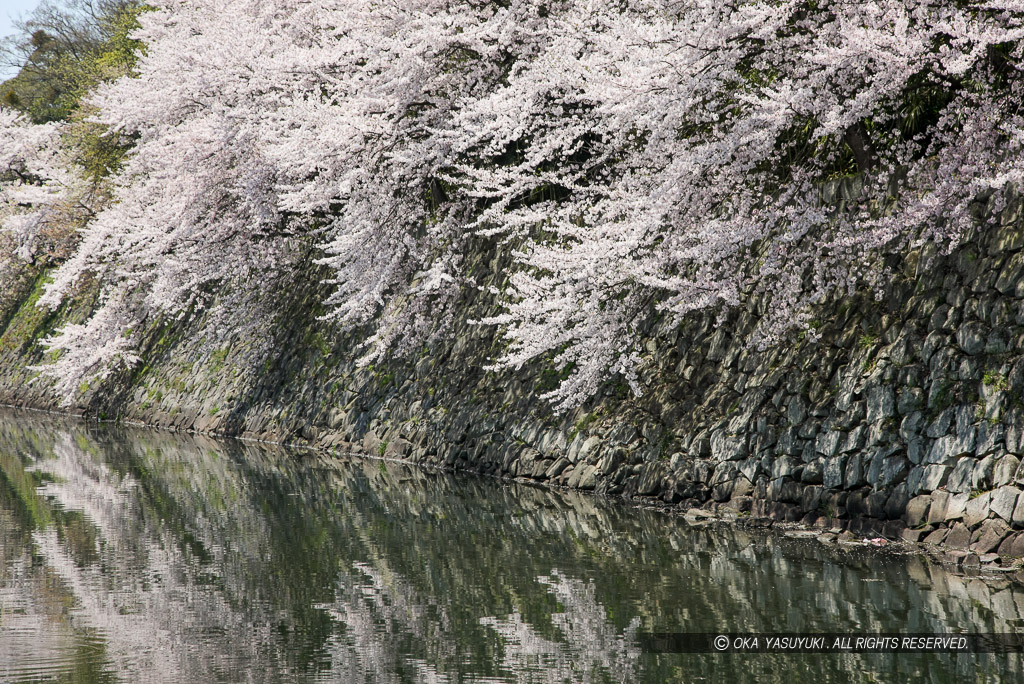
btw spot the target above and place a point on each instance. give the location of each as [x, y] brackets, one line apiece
[995, 380]
[584, 423]
[65, 52]
[867, 340]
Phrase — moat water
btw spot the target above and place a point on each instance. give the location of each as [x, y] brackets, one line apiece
[131, 555]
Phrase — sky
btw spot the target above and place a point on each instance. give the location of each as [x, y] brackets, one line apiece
[9, 11]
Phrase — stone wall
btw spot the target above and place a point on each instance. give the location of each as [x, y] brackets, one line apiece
[904, 418]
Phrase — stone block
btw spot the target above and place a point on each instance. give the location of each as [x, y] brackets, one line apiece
[854, 475]
[893, 529]
[896, 504]
[959, 481]
[957, 506]
[1006, 545]
[1015, 547]
[937, 511]
[894, 470]
[588, 448]
[988, 537]
[810, 498]
[934, 476]
[940, 426]
[813, 472]
[834, 471]
[881, 403]
[726, 447]
[1004, 501]
[981, 478]
[827, 443]
[556, 468]
[948, 448]
[588, 477]
[917, 510]
[1011, 274]
[784, 466]
[977, 509]
[970, 337]
[1005, 470]
[1006, 239]
[910, 400]
[936, 537]
[611, 460]
[1017, 519]
[959, 537]
[855, 504]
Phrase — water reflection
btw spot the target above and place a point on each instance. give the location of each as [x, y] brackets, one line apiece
[145, 556]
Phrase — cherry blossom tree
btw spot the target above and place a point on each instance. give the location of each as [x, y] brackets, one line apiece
[636, 157]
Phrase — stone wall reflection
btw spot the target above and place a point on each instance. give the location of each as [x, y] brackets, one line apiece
[152, 556]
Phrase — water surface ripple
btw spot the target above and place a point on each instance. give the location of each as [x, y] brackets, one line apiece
[133, 555]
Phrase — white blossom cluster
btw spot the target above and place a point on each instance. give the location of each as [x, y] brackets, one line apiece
[638, 156]
[37, 185]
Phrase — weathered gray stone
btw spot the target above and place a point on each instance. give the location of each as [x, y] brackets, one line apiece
[750, 468]
[585, 477]
[990, 438]
[1014, 440]
[1008, 238]
[1004, 501]
[588, 448]
[1018, 513]
[916, 450]
[970, 337]
[874, 505]
[940, 426]
[981, 478]
[936, 537]
[896, 504]
[937, 511]
[1013, 545]
[917, 510]
[894, 470]
[959, 537]
[726, 471]
[827, 443]
[612, 460]
[911, 425]
[1005, 470]
[957, 506]
[960, 479]
[1011, 274]
[854, 440]
[992, 532]
[728, 447]
[948, 448]
[854, 475]
[977, 509]
[784, 467]
[557, 468]
[834, 472]
[742, 488]
[810, 498]
[573, 452]
[934, 477]
[881, 404]
[796, 410]
[910, 400]
[701, 446]
[813, 472]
